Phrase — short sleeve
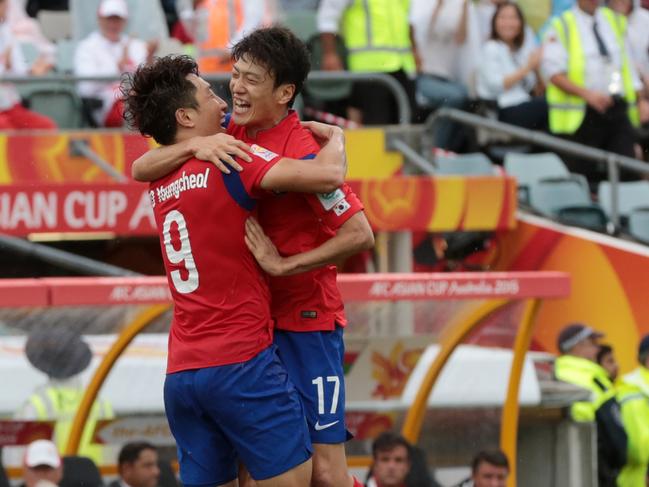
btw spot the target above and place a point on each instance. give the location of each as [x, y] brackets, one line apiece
[254, 171]
[335, 208]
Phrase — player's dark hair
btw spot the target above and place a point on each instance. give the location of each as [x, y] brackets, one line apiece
[153, 94]
[131, 452]
[388, 441]
[492, 457]
[279, 51]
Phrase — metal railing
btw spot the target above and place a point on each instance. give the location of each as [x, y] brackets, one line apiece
[403, 103]
[613, 161]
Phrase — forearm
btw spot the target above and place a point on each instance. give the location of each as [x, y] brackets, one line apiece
[562, 82]
[159, 162]
[333, 155]
[515, 78]
[353, 237]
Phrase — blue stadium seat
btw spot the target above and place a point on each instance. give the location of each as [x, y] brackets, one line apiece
[474, 164]
[639, 224]
[631, 195]
[566, 200]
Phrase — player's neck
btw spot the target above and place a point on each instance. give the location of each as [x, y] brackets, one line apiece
[273, 121]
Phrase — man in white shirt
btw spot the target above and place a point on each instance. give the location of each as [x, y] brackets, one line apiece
[592, 100]
[137, 465]
[109, 52]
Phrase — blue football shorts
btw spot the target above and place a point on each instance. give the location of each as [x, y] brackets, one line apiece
[248, 412]
[314, 361]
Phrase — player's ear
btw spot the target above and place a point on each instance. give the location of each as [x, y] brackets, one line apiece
[284, 93]
[184, 117]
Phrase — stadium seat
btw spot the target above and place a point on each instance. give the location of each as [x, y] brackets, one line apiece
[566, 200]
[639, 224]
[326, 90]
[302, 23]
[80, 472]
[631, 195]
[59, 101]
[65, 56]
[530, 168]
[146, 19]
[55, 24]
[474, 164]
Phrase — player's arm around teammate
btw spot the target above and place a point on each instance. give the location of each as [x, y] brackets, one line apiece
[327, 170]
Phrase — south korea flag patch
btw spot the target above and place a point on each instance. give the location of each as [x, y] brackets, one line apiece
[341, 207]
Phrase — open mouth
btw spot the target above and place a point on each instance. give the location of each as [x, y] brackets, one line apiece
[240, 106]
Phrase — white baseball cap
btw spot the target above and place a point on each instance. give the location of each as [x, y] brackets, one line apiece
[42, 452]
[113, 8]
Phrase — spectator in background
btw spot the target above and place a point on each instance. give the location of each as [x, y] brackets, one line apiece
[390, 461]
[633, 396]
[485, 10]
[137, 465]
[62, 355]
[490, 468]
[27, 30]
[42, 464]
[377, 36]
[217, 25]
[606, 358]
[579, 345]
[13, 115]
[109, 52]
[444, 31]
[509, 74]
[638, 33]
[593, 88]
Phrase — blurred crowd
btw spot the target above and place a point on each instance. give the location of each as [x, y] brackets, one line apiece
[469, 54]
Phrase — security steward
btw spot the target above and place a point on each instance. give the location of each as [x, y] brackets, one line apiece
[633, 396]
[578, 345]
[593, 86]
[62, 355]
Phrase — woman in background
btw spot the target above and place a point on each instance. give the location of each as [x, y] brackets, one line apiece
[509, 74]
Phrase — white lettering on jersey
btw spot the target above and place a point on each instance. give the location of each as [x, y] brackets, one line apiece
[183, 183]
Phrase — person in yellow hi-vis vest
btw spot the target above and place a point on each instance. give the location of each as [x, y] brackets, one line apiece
[578, 345]
[593, 84]
[62, 355]
[221, 24]
[633, 396]
[378, 38]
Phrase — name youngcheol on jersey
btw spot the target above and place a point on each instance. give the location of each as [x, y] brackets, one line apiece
[183, 183]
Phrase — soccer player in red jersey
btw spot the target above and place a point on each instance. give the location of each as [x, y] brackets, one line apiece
[310, 232]
[228, 397]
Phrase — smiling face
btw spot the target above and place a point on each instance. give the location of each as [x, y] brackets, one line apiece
[256, 102]
[208, 115]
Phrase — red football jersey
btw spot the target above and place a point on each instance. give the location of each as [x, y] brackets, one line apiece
[297, 222]
[221, 297]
